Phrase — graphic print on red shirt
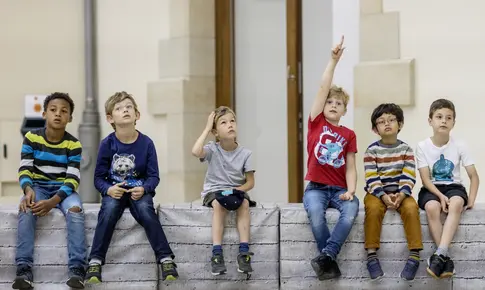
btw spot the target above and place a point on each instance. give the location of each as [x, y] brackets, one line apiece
[327, 149]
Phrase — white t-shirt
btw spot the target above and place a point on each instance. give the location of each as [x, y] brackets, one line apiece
[443, 162]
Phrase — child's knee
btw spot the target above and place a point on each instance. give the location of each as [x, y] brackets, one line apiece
[76, 209]
[433, 209]
[456, 204]
[410, 207]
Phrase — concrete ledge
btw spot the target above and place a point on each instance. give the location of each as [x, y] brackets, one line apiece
[188, 227]
[281, 239]
[390, 80]
[298, 247]
[130, 260]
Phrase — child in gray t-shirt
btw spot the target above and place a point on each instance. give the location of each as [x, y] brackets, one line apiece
[229, 177]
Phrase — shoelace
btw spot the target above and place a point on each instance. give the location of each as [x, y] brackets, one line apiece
[168, 266]
[94, 268]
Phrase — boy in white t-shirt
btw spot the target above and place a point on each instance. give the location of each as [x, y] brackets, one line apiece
[439, 158]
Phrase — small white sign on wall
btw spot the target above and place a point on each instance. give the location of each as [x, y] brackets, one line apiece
[34, 106]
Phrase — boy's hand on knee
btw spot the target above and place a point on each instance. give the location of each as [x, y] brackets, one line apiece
[43, 207]
[137, 192]
[445, 202]
[346, 196]
[28, 200]
[116, 191]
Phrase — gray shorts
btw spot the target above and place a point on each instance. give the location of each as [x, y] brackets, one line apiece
[209, 198]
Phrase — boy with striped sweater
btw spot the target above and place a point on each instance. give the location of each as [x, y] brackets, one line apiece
[49, 177]
[390, 176]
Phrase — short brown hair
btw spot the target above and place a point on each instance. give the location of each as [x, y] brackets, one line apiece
[338, 93]
[118, 97]
[441, 104]
[219, 112]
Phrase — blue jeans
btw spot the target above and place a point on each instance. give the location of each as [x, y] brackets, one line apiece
[316, 200]
[144, 213]
[76, 237]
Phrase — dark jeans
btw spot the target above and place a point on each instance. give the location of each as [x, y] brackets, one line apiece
[144, 213]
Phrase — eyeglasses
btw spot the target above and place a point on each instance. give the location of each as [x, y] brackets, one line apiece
[383, 122]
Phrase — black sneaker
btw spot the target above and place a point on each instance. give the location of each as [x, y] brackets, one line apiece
[218, 266]
[76, 278]
[24, 278]
[244, 262]
[436, 264]
[93, 275]
[448, 269]
[169, 271]
[325, 267]
[410, 269]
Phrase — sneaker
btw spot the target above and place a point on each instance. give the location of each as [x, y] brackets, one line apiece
[374, 268]
[325, 267]
[93, 275]
[218, 266]
[448, 269]
[244, 262]
[76, 277]
[436, 264]
[169, 271]
[24, 278]
[410, 269]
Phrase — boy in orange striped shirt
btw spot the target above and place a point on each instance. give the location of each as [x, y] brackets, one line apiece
[390, 175]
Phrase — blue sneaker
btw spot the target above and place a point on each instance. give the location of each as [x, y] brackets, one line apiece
[410, 269]
[374, 268]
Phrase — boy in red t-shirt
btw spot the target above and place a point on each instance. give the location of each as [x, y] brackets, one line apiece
[331, 171]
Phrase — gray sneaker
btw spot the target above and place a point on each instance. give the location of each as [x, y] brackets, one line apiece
[76, 278]
[244, 262]
[218, 266]
[24, 278]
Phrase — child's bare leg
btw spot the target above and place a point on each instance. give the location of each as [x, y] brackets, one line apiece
[243, 221]
[452, 221]
[433, 212]
[218, 217]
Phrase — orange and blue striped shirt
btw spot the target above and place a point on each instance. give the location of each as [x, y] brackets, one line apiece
[51, 165]
[389, 168]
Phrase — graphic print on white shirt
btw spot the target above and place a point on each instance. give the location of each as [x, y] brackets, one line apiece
[443, 162]
[329, 148]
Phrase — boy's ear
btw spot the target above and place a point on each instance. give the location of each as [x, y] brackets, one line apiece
[401, 124]
[43, 115]
[70, 119]
[109, 118]
[375, 131]
[137, 114]
[429, 121]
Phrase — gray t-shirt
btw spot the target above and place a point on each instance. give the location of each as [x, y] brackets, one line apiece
[226, 168]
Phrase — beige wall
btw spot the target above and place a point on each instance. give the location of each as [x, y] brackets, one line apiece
[128, 36]
[446, 40]
[41, 52]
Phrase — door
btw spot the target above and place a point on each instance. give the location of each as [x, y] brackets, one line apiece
[11, 145]
[267, 94]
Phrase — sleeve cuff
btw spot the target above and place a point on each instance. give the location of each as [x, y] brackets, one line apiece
[405, 191]
[379, 193]
[61, 194]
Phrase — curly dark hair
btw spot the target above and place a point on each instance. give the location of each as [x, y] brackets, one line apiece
[387, 108]
[441, 104]
[57, 95]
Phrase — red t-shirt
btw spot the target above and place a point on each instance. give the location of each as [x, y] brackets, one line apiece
[327, 147]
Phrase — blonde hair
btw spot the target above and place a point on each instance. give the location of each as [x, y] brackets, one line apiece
[118, 97]
[219, 112]
[339, 93]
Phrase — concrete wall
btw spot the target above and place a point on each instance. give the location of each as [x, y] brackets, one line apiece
[281, 239]
[432, 34]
